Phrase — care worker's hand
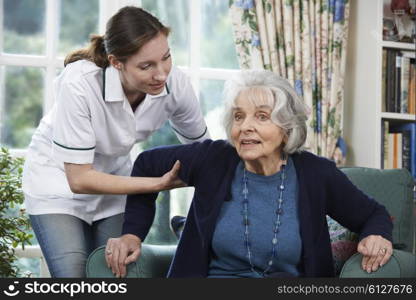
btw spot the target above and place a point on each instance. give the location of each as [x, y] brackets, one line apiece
[171, 180]
[119, 252]
[376, 252]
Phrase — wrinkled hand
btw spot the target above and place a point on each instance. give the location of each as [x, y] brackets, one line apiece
[376, 252]
[119, 252]
[171, 180]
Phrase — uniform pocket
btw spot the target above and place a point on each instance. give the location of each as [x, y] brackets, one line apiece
[44, 178]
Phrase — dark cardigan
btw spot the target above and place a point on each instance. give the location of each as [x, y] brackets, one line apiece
[209, 167]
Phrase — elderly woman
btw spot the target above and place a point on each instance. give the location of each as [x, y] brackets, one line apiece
[260, 202]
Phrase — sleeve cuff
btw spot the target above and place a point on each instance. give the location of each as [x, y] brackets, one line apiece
[73, 155]
[192, 137]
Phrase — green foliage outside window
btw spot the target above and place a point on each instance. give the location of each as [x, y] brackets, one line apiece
[24, 23]
[76, 28]
[23, 105]
[160, 232]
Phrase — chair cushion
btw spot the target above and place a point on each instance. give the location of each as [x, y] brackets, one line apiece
[343, 243]
[341, 252]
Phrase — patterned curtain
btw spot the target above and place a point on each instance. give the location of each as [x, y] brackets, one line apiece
[304, 41]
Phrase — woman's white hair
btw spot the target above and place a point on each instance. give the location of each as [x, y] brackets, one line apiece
[289, 112]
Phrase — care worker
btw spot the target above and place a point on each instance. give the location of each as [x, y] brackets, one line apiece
[111, 95]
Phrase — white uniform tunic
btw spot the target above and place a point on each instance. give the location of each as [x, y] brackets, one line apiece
[92, 122]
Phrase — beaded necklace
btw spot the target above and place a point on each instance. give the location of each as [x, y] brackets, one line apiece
[246, 222]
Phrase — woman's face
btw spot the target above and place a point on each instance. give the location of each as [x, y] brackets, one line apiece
[147, 70]
[256, 138]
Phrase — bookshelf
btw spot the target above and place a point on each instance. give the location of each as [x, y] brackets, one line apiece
[365, 112]
[397, 116]
[396, 45]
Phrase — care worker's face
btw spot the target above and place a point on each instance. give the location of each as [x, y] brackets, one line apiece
[148, 69]
[255, 136]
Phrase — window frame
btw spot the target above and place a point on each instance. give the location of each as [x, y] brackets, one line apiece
[50, 62]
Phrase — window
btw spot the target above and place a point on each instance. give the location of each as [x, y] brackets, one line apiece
[77, 20]
[35, 35]
[22, 104]
[202, 46]
[174, 14]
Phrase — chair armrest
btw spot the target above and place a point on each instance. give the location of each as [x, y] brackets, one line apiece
[402, 264]
[154, 261]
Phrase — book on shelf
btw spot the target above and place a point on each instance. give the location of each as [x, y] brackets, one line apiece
[390, 151]
[406, 155]
[412, 89]
[399, 81]
[406, 163]
[404, 84]
[384, 80]
[389, 84]
[385, 144]
[394, 155]
[397, 150]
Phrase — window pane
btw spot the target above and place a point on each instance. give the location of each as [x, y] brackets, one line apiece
[160, 232]
[79, 19]
[21, 105]
[212, 106]
[24, 26]
[174, 14]
[217, 45]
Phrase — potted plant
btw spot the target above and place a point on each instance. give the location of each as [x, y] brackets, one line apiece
[14, 223]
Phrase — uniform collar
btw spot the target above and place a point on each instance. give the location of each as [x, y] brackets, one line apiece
[113, 90]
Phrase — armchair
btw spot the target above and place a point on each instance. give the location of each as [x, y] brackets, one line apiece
[392, 188]
[395, 190]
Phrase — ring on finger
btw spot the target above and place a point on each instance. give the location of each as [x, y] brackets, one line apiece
[108, 252]
[383, 250]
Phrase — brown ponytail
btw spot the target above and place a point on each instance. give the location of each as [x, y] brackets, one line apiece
[95, 52]
[126, 32]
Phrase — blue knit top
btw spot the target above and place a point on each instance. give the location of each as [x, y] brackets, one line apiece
[229, 252]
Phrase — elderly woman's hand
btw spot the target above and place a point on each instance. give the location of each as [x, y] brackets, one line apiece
[376, 252]
[119, 252]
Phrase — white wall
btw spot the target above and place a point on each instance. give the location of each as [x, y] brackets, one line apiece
[361, 107]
